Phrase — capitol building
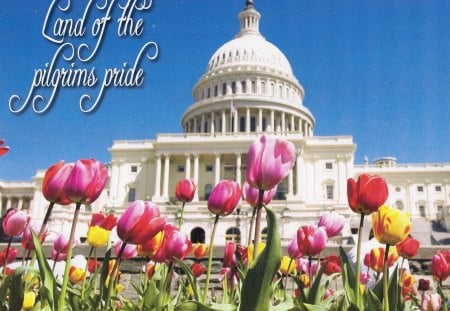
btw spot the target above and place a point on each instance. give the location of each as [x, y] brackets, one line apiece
[248, 88]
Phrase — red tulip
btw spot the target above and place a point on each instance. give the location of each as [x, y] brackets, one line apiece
[251, 195]
[269, 161]
[408, 248]
[12, 254]
[367, 194]
[440, 267]
[3, 149]
[94, 265]
[332, 222]
[27, 238]
[185, 190]
[224, 197]
[197, 269]
[130, 250]
[311, 239]
[333, 264]
[86, 181]
[107, 223]
[424, 284]
[140, 222]
[15, 222]
[229, 256]
[53, 183]
[177, 245]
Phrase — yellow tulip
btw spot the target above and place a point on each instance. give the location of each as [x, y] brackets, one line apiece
[97, 236]
[390, 226]
[305, 279]
[76, 275]
[29, 299]
[287, 265]
[120, 288]
[261, 247]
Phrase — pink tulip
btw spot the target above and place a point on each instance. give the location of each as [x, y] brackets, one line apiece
[440, 267]
[311, 239]
[332, 222]
[292, 248]
[15, 222]
[60, 247]
[431, 302]
[130, 250]
[302, 265]
[251, 195]
[176, 244]
[86, 181]
[229, 256]
[140, 222]
[53, 183]
[224, 197]
[27, 238]
[269, 161]
[185, 190]
[12, 254]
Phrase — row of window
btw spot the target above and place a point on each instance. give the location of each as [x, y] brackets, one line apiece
[232, 234]
[437, 188]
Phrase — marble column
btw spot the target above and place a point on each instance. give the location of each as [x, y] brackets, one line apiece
[217, 169]
[224, 122]
[238, 168]
[166, 176]
[157, 193]
[260, 120]
[247, 120]
[187, 167]
[212, 125]
[196, 176]
[272, 120]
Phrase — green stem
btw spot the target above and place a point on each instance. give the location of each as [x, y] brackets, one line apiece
[6, 255]
[208, 271]
[358, 263]
[385, 279]
[166, 286]
[62, 295]
[180, 221]
[42, 230]
[113, 275]
[252, 222]
[85, 273]
[258, 224]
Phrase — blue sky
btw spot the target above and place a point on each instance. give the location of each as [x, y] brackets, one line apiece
[376, 70]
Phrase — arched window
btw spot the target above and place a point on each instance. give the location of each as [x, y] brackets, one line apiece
[233, 234]
[198, 235]
[208, 189]
[399, 205]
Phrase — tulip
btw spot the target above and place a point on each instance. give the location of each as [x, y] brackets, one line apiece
[292, 248]
[251, 251]
[54, 181]
[29, 299]
[224, 198]
[424, 284]
[333, 264]
[86, 181]
[61, 247]
[151, 247]
[150, 269]
[390, 226]
[107, 223]
[440, 267]
[93, 265]
[269, 161]
[332, 222]
[76, 275]
[364, 278]
[185, 190]
[367, 194]
[97, 236]
[229, 257]
[287, 265]
[311, 239]
[251, 195]
[376, 258]
[407, 279]
[160, 255]
[197, 269]
[328, 293]
[305, 279]
[140, 222]
[431, 302]
[231, 275]
[129, 251]
[15, 222]
[27, 238]
[176, 245]
[304, 266]
[8, 255]
[199, 250]
[408, 248]
[3, 149]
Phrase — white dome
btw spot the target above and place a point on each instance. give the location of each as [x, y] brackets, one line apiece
[249, 49]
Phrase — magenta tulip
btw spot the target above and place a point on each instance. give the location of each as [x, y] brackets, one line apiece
[27, 238]
[15, 222]
[302, 265]
[185, 190]
[269, 161]
[86, 181]
[332, 222]
[176, 245]
[60, 247]
[311, 239]
[251, 195]
[292, 248]
[229, 256]
[140, 222]
[130, 250]
[54, 181]
[224, 198]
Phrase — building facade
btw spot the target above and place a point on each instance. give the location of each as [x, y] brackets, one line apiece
[248, 89]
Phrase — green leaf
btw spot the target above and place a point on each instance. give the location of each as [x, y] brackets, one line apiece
[257, 290]
[17, 291]
[371, 301]
[197, 306]
[348, 277]
[286, 304]
[393, 288]
[316, 292]
[150, 295]
[49, 292]
[190, 277]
